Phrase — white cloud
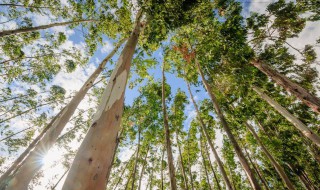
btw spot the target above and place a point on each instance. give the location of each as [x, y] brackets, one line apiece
[107, 47]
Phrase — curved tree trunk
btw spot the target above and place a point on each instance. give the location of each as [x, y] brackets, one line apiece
[253, 181]
[35, 28]
[275, 164]
[48, 137]
[204, 130]
[302, 94]
[167, 133]
[94, 156]
[291, 118]
[185, 180]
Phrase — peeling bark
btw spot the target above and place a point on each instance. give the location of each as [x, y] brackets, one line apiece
[302, 94]
[291, 118]
[40, 146]
[94, 156]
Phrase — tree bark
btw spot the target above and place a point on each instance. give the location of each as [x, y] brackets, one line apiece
[185, 180]
[291, 118]
[189, 166]
[136, 161]
[204, 163]
[253, 181]
[210, 164]
[114, 154]
[94, 156]
[167, 133]
[46, 140]
[143, 168]
[275, 164]
[302, 94]
[205, 131]
[36, 28]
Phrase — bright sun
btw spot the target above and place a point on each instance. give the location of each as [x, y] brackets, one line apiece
[52, 156]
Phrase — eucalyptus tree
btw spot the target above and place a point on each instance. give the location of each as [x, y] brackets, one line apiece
[176, 119]
[107, 120]
[27, 162]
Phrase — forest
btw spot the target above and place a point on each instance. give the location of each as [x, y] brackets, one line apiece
[159, 94]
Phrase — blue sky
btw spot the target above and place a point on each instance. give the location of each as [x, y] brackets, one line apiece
[72, 82]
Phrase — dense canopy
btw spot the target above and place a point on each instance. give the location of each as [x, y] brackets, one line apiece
[159, 94]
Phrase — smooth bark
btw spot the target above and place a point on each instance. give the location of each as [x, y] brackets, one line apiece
[275, 164]
[143, 168]
[206, 134]
[36, 28]
[136, 161]
[291, 118]
[185, 180]
[253, 181]
[212, 169]
[302, 94]
[167, 133]
[94, 157]
[32, 163]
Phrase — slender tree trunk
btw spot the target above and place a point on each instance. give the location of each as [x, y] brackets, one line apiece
[257, 170]
[54, 187]
[204, 163]
[143, 168]
[211, 166]
[275, 164]
[114, 154]
[185, 180]
[204, 130]
[36, 28]
[123, 171]
[291, 118]
[94, 156]
[189, 165]
[128, 180]
[302, 94]
[136, 161]
[167, 133]
[162, 156]
[301, 177]
[46, 140]
[8, 137]
[253, 181]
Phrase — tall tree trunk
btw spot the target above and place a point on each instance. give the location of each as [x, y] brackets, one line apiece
[36, 28]
[275, 164]
[55, 185]
[301, 177]
[204, 162]
[48, 137]
[257, 170]
[253, 181]
[123, 171]
[189, 165]
[136, 161]
[211, 166]
[143, 168]
[167, 133]
[302, 94]
[291, 118]
[94, 156]
[204, 130]
[162, 167]
[185, 180]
